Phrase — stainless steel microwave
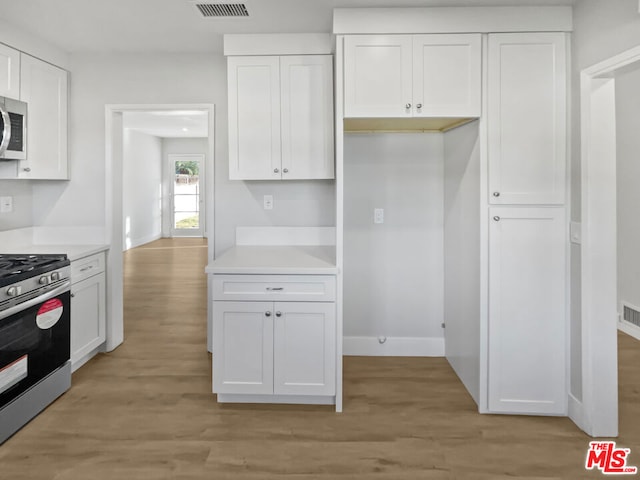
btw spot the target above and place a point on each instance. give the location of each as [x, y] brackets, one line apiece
[13, 129]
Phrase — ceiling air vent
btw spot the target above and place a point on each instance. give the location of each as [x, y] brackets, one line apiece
[218, 10]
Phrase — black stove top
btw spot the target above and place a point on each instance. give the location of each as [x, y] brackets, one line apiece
[14, 268]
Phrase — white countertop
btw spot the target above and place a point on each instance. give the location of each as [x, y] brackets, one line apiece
[73, 252]
[276, 260]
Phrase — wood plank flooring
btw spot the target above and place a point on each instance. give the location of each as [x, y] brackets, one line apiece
[145, 411]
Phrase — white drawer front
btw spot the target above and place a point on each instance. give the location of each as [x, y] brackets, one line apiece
[283, 288]
[87, 267]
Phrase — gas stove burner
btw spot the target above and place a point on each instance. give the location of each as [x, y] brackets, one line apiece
[17, 267]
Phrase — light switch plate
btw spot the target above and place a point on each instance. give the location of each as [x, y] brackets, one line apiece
[378, 215]
[268, 202]
[6, 204]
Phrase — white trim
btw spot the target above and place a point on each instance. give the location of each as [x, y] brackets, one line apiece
[266, 236]
[576, 410]
[278, 44]
[136, 242]
[452, 20]
[599, 245]
[286, 399]
[394, 346]
[629, 328]
[113, 204]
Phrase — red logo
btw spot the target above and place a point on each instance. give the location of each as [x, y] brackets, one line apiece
[608, 459]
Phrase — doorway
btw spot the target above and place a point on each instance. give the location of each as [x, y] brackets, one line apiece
[115, 225]
[187, 201]
[597, 413]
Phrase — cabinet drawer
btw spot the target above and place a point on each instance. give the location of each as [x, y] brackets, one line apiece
[283, 288]
[87, 267]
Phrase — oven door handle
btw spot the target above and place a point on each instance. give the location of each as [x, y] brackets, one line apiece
[34, 301]
[6, 132]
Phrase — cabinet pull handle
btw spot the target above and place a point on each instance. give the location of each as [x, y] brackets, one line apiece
[267, 314]
[407, 106]
[496, 218]
[26, 169]
[286, 170]
[275, 289]
[496, 194]
[278, 314]
[86, 268]
[276, 170]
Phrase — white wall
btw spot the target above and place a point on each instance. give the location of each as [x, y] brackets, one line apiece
[141, 187]
[628, 174]
[99, 79]
[462, 254]
[602, 28]
[178, 146]
[393, 272]
[22, 215]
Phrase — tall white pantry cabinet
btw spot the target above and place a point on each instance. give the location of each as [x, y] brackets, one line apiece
[515, 84]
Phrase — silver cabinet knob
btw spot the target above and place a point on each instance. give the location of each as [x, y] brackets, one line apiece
[286, 170]
[407, 106]
[73, 295]
[419, 106]
[267, 314]
[26, 169]
[496, 218]
[496, 194]
[278, 314]
[276, 170]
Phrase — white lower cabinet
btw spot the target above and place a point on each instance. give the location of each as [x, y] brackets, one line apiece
[527, 310]
[88, 308]
[277, 348]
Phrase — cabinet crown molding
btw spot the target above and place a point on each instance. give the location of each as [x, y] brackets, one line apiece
[452, 20]
[279, 44]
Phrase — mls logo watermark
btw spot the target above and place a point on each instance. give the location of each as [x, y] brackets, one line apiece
[609, 459]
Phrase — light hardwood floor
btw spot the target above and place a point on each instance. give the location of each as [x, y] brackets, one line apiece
[145, 411]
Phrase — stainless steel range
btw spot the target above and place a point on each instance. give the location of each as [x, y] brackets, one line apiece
[34, 336]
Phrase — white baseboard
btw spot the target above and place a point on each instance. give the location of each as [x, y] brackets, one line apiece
[577, 414]
[394, 346]
[629, 328]
[136, 242]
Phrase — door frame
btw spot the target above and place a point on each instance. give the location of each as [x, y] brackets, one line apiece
[201, 158]
[597, 413]
[113, 203]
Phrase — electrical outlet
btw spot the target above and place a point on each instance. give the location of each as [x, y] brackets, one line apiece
[378, 215]
[6, 204]
[268, 202]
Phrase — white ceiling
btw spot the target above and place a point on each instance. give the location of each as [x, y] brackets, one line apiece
[168, 123]
[176, 25]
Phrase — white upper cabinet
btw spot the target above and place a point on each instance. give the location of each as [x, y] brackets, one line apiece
[306, 95]
[527, 310]
[44, 89]
[401, 76]
[280, 117]
[378, 76]
[447, 73]
[9, 72]
[527, 118]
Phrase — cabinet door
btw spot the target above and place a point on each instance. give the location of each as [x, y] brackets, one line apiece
[243, 347]
[447, 76]
[9, 72]
[527, 118]
[254, 118]
[378, 76]
[87, 316]
[527, 317]
[304, 348]
[306, 86]
[44, 88]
